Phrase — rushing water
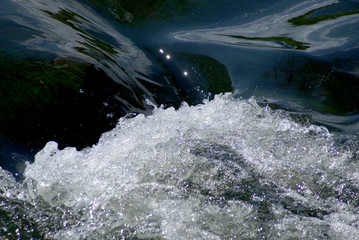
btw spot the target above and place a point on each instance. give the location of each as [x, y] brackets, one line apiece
[141, 140]
[223, 169]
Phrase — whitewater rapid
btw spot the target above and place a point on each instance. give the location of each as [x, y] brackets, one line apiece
[224, 169]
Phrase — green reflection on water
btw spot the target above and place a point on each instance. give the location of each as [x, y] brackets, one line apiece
[306, 20]
[103, 52]
[67, 17]
[321, 84]
[286, 40]
[70, 18]
[126, 11]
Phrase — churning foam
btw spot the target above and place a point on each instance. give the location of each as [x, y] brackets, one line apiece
[225, 169]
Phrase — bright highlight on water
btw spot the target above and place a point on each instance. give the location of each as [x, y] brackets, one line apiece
[225, 169]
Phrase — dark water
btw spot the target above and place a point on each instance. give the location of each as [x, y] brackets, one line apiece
[141, 142]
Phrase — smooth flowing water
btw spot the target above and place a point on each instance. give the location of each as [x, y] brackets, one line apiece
[179, 119]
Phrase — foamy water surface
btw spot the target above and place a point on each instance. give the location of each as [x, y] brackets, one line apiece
[225, 169]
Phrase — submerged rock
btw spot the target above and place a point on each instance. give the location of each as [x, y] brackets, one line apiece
[323, 85]
[197, 76]
[69, 101]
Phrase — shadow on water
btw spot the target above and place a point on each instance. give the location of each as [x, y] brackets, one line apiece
[44, 100]
[322, 85]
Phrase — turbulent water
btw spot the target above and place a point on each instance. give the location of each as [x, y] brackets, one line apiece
[230, 120]
[225, 169]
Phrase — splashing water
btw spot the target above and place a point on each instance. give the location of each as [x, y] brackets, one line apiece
[225, 169]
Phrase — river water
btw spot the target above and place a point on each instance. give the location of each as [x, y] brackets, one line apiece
[190, 119]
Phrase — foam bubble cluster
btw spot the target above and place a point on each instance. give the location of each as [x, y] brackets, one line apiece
[224, 169]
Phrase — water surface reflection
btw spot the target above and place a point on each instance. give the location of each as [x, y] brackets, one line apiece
[294, 28]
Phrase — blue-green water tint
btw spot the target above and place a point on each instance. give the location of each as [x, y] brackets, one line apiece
[275, 41]
[116, 76]
[230, 168]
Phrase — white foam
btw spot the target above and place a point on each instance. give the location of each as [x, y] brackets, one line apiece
[223, 169]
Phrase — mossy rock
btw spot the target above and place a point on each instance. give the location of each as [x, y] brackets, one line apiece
[64, 100]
